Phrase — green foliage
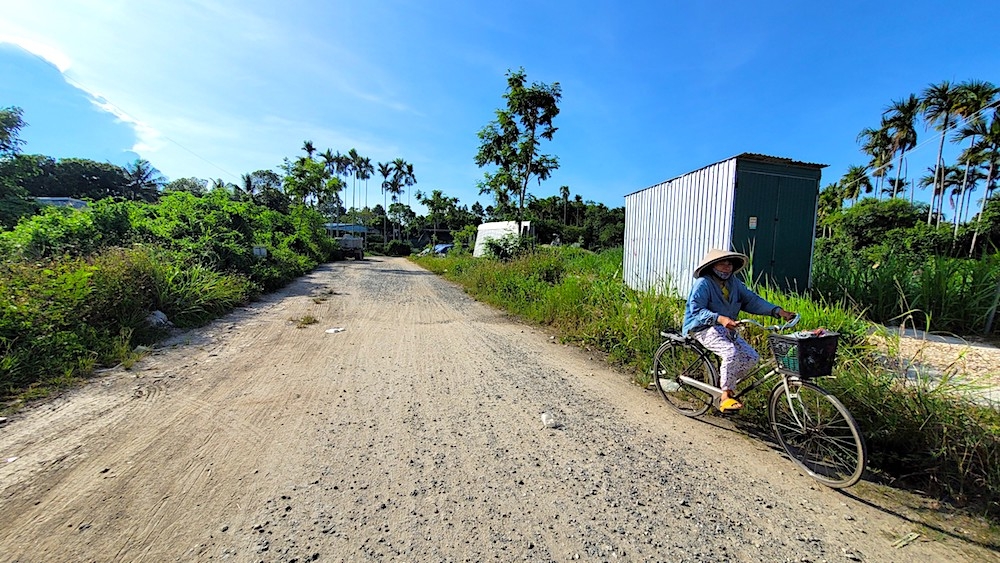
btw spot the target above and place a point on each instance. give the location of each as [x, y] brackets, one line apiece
[870, 220]
[946, 294]
[77, 285]
[511, 141]
[508, 247]
[922, 433]
[398, 248]
[11, 123]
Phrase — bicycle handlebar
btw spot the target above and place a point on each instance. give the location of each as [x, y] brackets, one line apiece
[772, 328]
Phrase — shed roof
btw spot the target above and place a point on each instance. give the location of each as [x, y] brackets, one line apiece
[747, 156]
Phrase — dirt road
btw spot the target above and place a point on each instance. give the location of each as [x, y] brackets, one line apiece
[414, 435]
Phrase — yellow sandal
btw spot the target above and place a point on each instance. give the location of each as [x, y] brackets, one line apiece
[730, 405]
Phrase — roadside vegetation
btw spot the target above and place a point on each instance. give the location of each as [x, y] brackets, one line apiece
[925, 434]
[77, 286]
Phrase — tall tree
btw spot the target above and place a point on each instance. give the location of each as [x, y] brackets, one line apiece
[975, 97]
[900, 117]
[855, 182]
[309, 148]
[144, 181]
[987, 144]
[939, 104]
[11, 123]
[364, 170]
[385, 170]
[354, 161]
[564, 194]
[511, 142]
[831, 200]
[14, 198]
[877, 144]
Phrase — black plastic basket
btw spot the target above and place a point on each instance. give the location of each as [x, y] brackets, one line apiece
[805, 355]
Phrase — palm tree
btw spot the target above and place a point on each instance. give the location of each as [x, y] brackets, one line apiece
[385, 170]
[364, 170]
[564, 193]
[900, 117]
[403, 174]
[988, 148]
[877, 144]
[854, 182]
[940, 189]
[309, 148]
[353, 161]
[142, 180]
[246, 191]
[975, 97]
[939, 104]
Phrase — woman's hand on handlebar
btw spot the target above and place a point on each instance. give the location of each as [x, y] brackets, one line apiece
[786, 315]
[727, 322]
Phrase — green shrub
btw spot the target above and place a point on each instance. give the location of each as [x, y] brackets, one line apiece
[398, 248]
[926, 435]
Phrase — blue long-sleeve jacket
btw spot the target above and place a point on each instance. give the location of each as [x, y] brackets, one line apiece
[705, 303]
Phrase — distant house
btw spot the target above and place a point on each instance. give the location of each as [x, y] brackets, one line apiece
[62, 202]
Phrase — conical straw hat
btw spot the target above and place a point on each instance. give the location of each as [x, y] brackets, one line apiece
[714, 255]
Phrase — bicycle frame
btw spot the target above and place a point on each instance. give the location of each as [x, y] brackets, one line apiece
[769, 365]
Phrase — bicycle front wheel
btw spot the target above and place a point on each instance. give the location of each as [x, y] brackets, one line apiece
[674, 359]
[818, 432]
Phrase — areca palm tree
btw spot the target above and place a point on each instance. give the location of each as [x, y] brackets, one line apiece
[403, 175]
[940, 179]
[988, 147]
[564, 193]
[975, 97]
[831, 200]
[854, 182]
[385, 170]
[900, 117]
[309, 148]
[939, 104]
[877, 144]
[364, 170]
[353, 160]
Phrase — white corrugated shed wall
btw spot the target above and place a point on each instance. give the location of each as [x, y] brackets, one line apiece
[670, 226]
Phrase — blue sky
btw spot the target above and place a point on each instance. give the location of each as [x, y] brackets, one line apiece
[651, 90]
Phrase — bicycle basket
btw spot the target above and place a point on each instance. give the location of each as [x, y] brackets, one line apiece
[804, 354]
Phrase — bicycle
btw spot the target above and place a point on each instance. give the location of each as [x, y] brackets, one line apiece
[819, 434]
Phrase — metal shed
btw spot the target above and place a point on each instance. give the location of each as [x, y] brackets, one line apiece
[762, 206]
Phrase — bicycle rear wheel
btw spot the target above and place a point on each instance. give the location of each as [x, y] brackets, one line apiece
[674, 359]
[818, 432]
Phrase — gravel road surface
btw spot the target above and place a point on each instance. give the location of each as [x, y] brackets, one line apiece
[413, 434]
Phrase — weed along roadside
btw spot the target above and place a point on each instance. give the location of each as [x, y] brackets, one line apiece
[431, 428]
[78, 287]
[924, 437]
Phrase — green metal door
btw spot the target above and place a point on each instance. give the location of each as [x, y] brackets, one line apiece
[774, 220]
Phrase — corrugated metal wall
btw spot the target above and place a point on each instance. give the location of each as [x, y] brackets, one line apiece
[670, 226]
[761, 205]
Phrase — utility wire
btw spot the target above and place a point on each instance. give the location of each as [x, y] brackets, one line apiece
[124, 113]
[994, 105]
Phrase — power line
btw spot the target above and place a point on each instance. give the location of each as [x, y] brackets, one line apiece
[107, 102]
[993, 105]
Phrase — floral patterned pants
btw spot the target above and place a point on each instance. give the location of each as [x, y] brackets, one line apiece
[738, 356]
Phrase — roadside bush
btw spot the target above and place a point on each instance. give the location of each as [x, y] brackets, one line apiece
[398, 248]
[920, 434]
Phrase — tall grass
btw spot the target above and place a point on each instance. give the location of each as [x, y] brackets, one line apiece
[61, 318]
[946, 294]
[929, 434]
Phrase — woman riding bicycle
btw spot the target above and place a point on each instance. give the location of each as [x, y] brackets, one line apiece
[713, 305]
